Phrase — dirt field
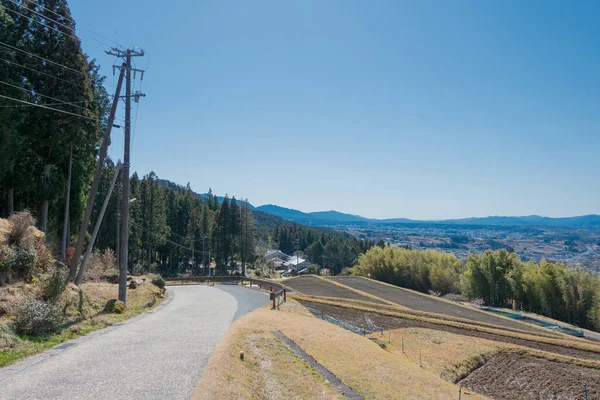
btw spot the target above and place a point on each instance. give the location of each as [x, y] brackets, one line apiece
[311, 286]
[428, 303]
[515, 376]
[357, 318]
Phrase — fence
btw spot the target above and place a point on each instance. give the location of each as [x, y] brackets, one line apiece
[277, 291]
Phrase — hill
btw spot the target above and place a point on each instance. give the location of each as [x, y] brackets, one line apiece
[332, 217]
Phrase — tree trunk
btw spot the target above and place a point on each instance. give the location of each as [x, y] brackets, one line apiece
[63, 247]
[10, 201]
[45, 201]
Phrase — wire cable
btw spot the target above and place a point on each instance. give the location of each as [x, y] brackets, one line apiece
[72, 21]
[44, 25]
[50, 108]
[42, 58]
[41, 95]
[43, 16]
[167, 240]
[43, 73]
[47, 104]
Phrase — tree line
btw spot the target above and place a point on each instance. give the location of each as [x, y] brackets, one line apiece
[498, 278]
[174, 230]
[42, 65]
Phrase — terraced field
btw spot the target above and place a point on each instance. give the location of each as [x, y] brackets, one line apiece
[515, 376]
[312, 286]
[426, 303]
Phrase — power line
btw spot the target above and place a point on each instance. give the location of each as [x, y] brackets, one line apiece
[41, 95]
[42, 58]
[43, 73]
[50, 108]
[43, 16]
[44, 25]
[72, 21]
[167, 240]
[47, 104]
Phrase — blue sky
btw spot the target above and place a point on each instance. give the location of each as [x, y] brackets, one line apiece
[419, 109]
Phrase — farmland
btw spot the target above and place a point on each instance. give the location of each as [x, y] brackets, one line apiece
[314, 286]
[420, 302]
[492, 356]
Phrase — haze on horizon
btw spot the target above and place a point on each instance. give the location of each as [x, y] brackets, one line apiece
[423, 110]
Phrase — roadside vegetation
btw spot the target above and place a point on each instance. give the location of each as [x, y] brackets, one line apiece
[40, 308]
[495, 278]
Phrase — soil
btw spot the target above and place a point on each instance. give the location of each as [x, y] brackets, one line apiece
[422, 302]
[516, 376]
[312, 286]
[359, 318]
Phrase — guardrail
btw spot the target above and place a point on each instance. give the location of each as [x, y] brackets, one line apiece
[276, 290]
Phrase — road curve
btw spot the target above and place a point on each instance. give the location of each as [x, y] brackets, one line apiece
[159, 356]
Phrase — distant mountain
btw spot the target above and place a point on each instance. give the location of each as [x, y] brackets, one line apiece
[313, 218]
[327, 218]
[264, 215]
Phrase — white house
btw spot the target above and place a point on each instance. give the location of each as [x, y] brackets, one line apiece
[297, 264]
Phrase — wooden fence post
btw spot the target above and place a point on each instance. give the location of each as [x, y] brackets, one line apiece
[284, 295]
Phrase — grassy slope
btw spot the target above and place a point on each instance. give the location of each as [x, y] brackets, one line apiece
[267, 372]
[14, 347]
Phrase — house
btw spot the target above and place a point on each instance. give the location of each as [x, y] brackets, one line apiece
[277, 258]
[277, 254]
[297, 264]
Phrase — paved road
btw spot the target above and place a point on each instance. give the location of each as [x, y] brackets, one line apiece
[159, 356]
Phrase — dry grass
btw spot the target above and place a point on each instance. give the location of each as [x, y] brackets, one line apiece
[570, 342]
[267, 372]
[83, 313]
[270, 370]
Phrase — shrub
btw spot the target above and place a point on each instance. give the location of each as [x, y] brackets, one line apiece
[8, 339]
[36, 317]
[158, 280]
[25, 259]
[54, 282]
[21, 222]
[8, 254]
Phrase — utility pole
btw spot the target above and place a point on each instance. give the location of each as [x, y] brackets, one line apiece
[203, 253]
[90, 246]
[193, 255]
[124, 238]
[323, 264]
[96, 181]
[117, 244]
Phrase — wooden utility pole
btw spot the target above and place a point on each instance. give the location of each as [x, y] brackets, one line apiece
[117, 242]
[124, 238]
[90, 246]
[63, 247]
[97, 175]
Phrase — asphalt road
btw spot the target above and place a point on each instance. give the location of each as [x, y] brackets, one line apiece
[159, 356]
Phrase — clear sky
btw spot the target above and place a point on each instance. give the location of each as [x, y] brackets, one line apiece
[419, 109]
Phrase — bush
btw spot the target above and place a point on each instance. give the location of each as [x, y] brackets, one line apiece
[25, 259]
[21, 224]
[8, 339]
[158, 280]
[36, 317]
[54, 283]
[115, 306]
[8, 255]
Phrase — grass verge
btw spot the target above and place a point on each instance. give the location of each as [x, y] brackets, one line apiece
[270, 372]
[81, 317]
